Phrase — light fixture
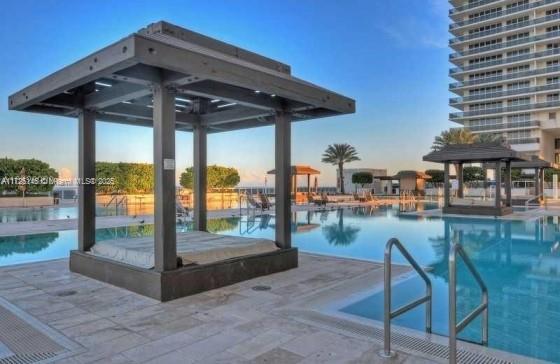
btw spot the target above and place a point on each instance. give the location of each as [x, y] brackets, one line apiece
[183, 100]
[103, 84]
[273, 95]
[226, 105]
[215, 100]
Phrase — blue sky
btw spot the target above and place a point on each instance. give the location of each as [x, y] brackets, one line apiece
[390, 56]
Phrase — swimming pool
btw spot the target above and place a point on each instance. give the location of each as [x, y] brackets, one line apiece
[20, 214]
[520, 262]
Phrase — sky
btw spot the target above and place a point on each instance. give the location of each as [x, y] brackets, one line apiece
[390, 56]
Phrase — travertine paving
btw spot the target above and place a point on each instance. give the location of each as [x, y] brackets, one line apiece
[234, 324]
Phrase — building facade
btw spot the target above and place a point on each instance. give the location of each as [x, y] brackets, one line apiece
[506, 63]
[350, 187]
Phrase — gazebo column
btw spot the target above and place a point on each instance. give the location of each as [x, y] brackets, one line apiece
[537, 184]
[282, 181]
[86, 170]
[498, 178]
[200, 184]
[165, 252]
[459, 173]
[542, 182]
[508, 183]
[308, 184]
[446, 194]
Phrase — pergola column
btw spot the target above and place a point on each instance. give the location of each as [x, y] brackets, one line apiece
[542, 182]
[282, 181]
[498, 178]
[200, 185]
[459, 173]
[308, 184]
[86, 170]
[537, 184]
[446, 194]
[165, 252]
[508, 183]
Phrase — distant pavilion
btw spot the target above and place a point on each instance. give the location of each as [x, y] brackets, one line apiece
[300, 170]
[169, 78]
[488, 154]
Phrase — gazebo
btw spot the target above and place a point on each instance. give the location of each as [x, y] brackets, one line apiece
[170, 78]
[485, 153]
[300, 170]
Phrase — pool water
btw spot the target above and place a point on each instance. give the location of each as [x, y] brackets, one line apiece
[519, 261]
[52, 213]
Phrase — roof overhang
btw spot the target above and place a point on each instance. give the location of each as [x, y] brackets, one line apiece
[474, 153]
[239, 89]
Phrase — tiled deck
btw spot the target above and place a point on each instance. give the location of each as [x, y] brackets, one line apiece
[235, 324]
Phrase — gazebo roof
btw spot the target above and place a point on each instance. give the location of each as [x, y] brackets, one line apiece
[534, 162]
[415, 174]
[477, 152]
[299, 171]
[216, 84]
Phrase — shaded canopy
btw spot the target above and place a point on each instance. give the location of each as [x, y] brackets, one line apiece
[477, 152]
[299, 171]
[216, 85]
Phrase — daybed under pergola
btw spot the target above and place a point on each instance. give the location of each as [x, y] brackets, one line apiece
[485, 153]
[170, 78]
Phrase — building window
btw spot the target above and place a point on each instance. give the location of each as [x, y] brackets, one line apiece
[557, 143]
[551, 116]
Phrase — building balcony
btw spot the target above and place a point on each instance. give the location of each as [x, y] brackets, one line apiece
[510, 76]
[504, 126]
[499, 14]
[500, 110]
[532, 22]
[504, 61]
[460, 9]
[524, 141]
[502, 45]
[456, 101]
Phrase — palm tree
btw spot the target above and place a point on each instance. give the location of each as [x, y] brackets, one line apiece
[338, 154]
[489, 138]
[453, 136]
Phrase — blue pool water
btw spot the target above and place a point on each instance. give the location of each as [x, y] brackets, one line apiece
[520, 262]
[52, 213]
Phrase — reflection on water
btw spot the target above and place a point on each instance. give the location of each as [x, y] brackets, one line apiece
[25, 244]
[340, 234]
[518, 262]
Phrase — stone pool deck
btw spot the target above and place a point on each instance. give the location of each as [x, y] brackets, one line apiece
[272, 319]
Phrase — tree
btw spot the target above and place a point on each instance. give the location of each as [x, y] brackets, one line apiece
[218, 177]
[338, 154]
[489, 138]
[38, 172]
[453, 136]
[473, 173]
[435, 174]
[362, 178]
[128, 177]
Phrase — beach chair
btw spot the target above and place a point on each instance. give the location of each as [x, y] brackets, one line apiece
[265, 202]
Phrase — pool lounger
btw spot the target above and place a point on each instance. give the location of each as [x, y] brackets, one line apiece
[194, 247]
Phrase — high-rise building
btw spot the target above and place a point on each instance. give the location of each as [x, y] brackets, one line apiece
[506, 57]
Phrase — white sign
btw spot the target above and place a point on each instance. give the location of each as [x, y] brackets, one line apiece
[169, 164]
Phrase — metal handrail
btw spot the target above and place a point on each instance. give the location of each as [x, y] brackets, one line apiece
[388, 314]
[454, 327]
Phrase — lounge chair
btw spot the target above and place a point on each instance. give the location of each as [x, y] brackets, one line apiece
[254, 203]
[359, 198]
[318, 200]
[265, 201]
[369, 197]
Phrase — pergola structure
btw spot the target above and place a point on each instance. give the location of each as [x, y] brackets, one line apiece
[299, 170]
[170, 78]
[539, 166]
[485, 153]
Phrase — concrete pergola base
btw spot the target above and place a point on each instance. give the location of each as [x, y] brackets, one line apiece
[184, 281]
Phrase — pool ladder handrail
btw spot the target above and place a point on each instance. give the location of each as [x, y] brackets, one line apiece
[454, 327]
[388, 314]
